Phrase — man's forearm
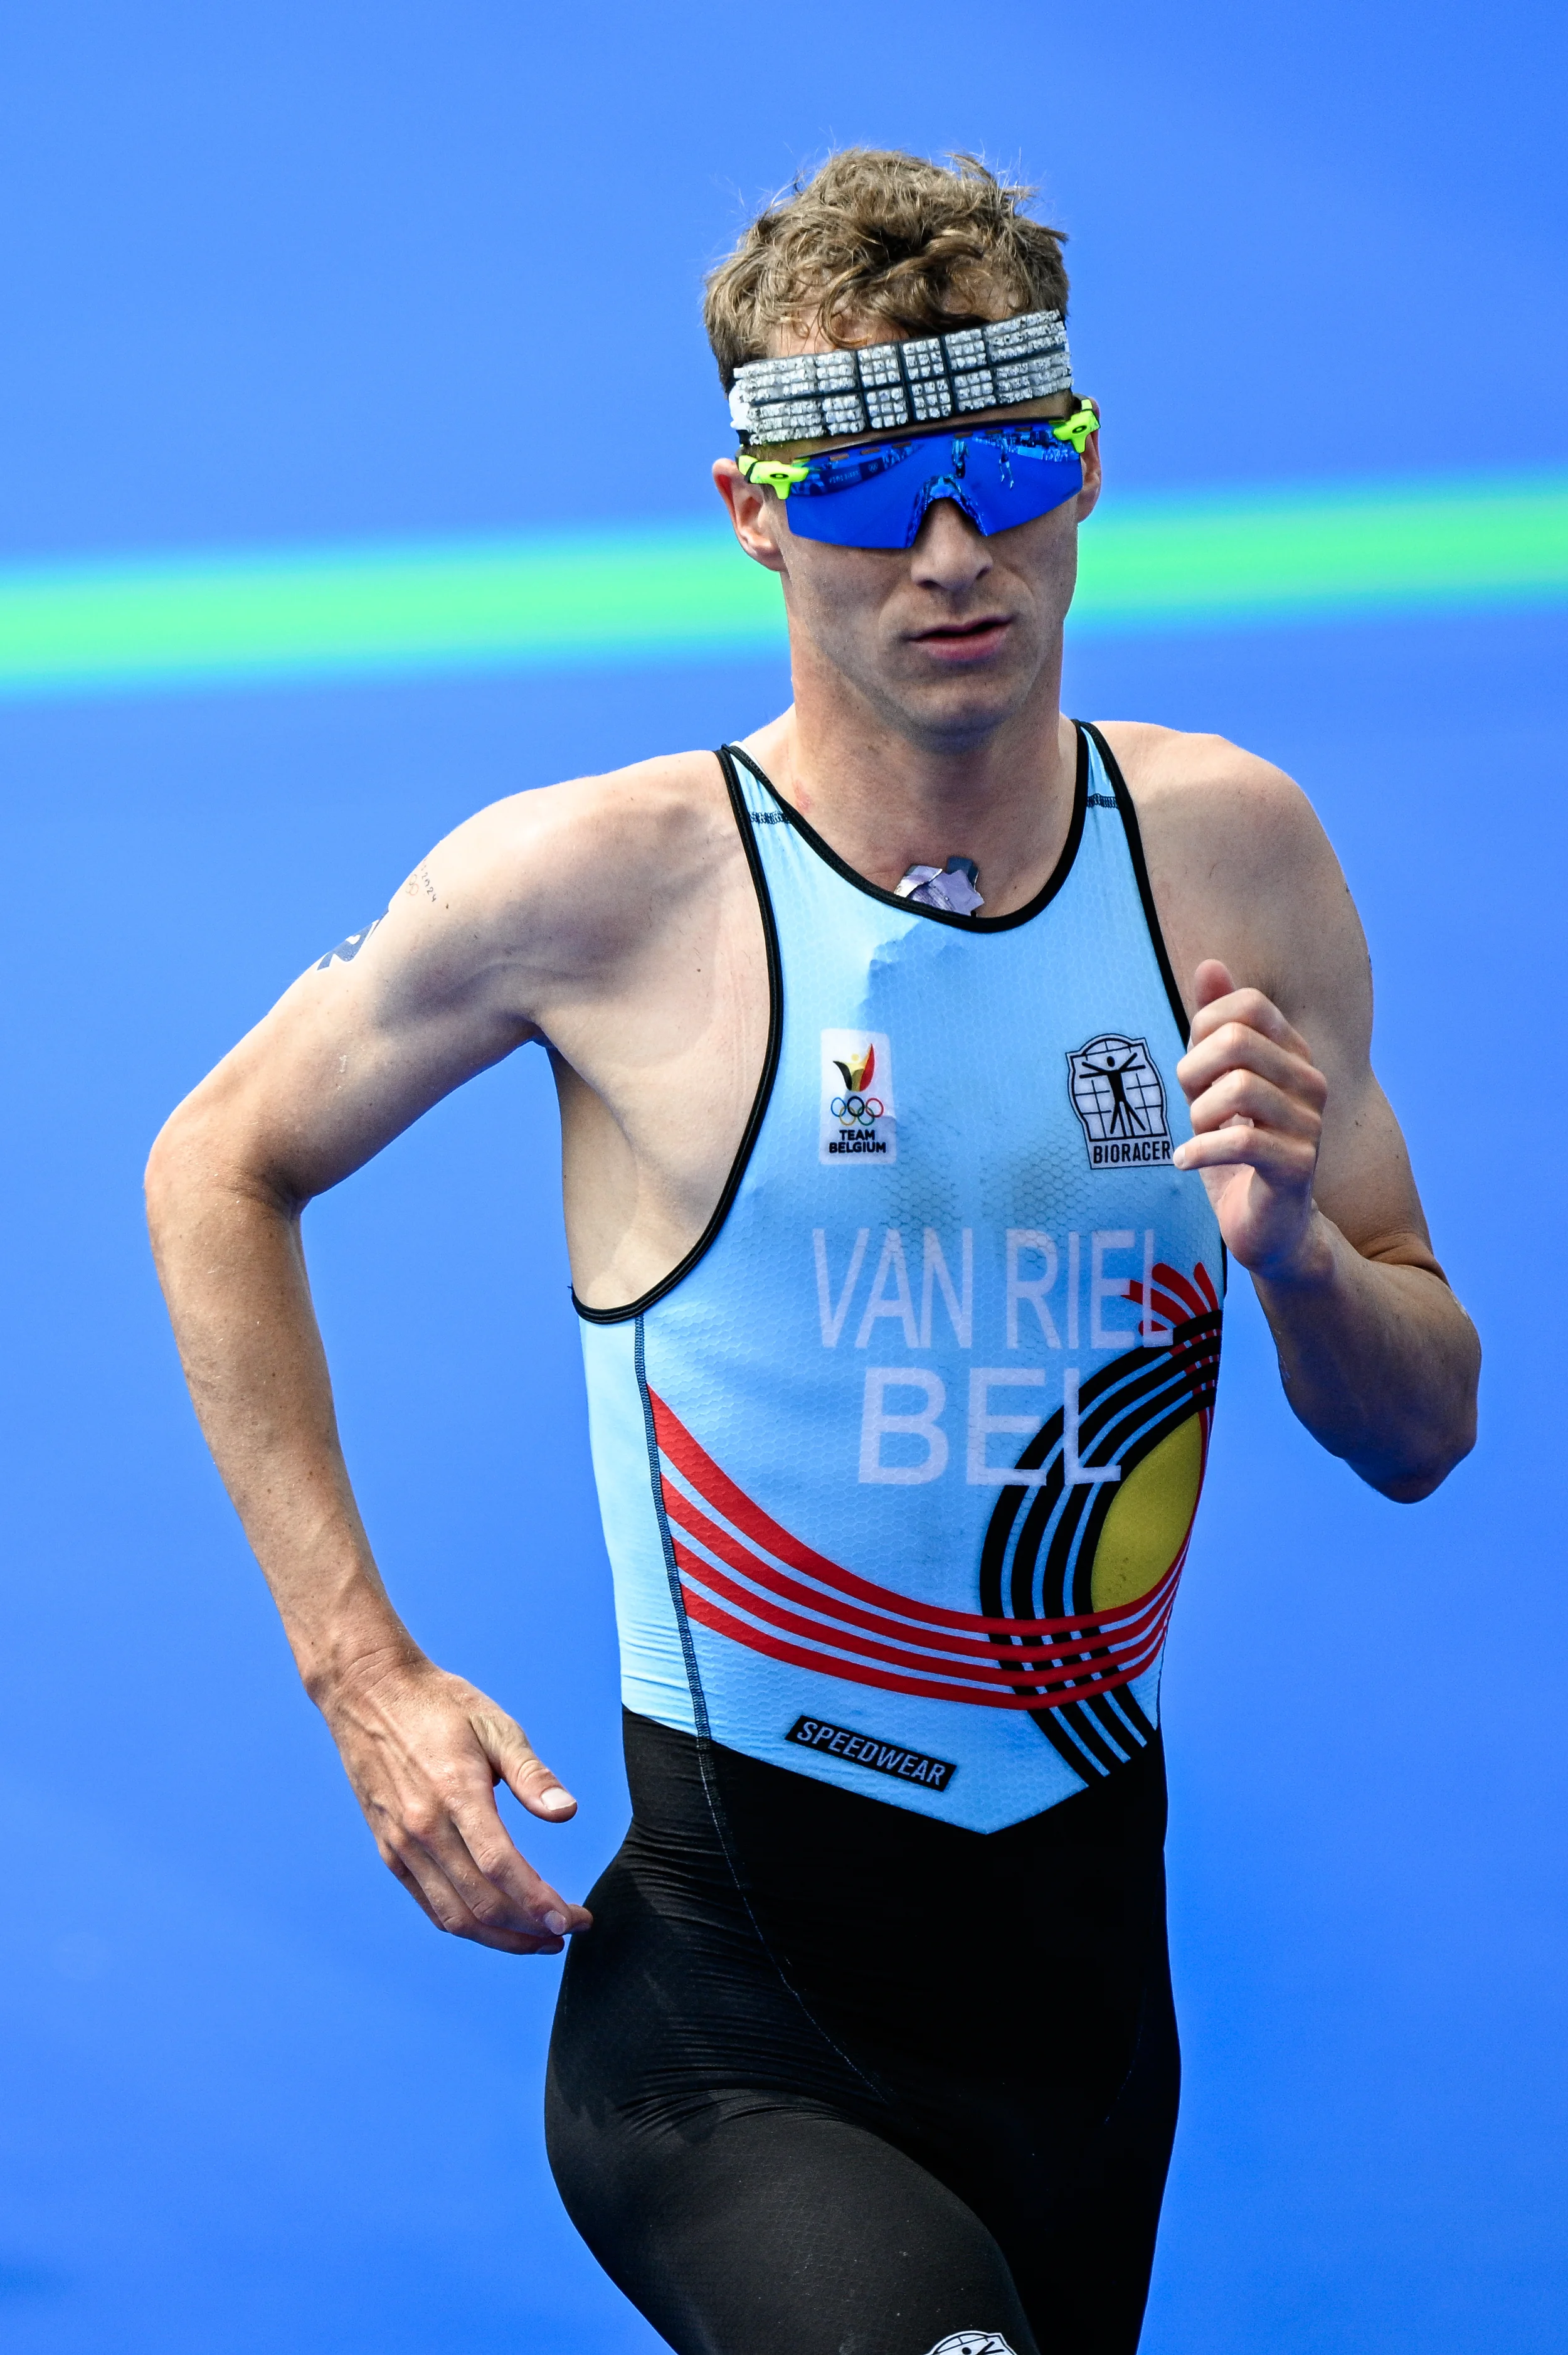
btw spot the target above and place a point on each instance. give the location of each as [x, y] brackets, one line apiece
[1379, 1361]
[233, 1271]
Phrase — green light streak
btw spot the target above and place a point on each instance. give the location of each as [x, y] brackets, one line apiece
[1390, 549]
[683, 592]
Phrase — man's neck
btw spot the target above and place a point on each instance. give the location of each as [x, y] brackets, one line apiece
[887, 798]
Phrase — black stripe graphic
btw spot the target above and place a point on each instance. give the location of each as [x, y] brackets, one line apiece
[1037, 1557]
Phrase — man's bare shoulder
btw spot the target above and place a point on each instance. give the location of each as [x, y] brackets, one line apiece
[606, 833]
[1240, 865]
[580, 869]
[552, 891]
[1181, 780]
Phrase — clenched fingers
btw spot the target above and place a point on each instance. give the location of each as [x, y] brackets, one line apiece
[1251, 1010]
[1241, 1045]
[1257, 1100]
[1239, 1094]
[1282, 1160]
[1255, 1096]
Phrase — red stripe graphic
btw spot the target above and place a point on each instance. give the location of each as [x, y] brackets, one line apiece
[710, 1615]
[719, 1490]
[1196, 1290]
[696, 1524]
[1048, 1662]
[1032, 1668]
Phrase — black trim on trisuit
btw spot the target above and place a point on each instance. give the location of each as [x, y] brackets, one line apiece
[763, 1086]
[1140, 871]
[1046, 893]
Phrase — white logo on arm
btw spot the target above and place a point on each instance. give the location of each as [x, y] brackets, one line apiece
[857, 1122]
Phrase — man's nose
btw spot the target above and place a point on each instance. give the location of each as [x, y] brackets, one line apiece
[949, 552]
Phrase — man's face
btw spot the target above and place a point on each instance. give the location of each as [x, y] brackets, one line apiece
[945, 640]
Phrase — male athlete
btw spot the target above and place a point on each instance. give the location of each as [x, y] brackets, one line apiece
[924, 1060]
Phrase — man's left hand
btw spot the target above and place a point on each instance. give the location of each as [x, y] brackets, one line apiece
[1257, 1100]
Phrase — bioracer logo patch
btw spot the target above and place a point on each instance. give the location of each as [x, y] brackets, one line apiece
[858, 1120]
[865, 1750]
[1119, 1098]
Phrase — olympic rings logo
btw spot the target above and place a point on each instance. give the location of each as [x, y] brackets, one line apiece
[861, 1111]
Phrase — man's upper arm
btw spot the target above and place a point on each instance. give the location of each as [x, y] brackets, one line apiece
[515, 905]
[1243, 871]
[1322, 974]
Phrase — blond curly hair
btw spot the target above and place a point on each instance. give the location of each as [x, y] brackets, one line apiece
[881, 240]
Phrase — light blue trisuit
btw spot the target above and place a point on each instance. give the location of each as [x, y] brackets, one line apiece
[955, 1245]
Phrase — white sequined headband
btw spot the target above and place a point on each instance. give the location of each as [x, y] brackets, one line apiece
[816, 395]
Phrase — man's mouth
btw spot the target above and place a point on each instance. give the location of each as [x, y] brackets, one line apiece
[961, 641]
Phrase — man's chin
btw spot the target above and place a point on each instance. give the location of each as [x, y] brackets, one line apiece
[963, 708]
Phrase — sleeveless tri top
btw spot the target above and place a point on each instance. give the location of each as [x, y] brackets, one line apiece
[898, 1467]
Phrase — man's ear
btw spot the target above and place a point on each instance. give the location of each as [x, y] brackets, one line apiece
[749, 507]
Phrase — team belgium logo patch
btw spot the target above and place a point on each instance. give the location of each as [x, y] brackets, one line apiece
[857, 1119]
[1119, 1098]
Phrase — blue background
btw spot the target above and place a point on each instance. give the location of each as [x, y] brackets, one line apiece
[282, 273]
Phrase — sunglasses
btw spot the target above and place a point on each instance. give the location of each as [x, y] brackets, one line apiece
[876, 495]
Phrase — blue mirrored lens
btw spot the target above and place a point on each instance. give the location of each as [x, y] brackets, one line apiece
[877, 497]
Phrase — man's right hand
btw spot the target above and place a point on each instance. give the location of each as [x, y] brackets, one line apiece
[424, 1752]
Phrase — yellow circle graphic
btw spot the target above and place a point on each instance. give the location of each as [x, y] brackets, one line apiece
[1149, 1517]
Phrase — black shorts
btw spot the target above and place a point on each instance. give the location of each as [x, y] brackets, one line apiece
[830, 2078]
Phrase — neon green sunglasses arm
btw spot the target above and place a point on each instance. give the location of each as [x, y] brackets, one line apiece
[774, 474]
[1077, 427]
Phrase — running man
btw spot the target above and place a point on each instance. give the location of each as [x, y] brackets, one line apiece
[924, 1060]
